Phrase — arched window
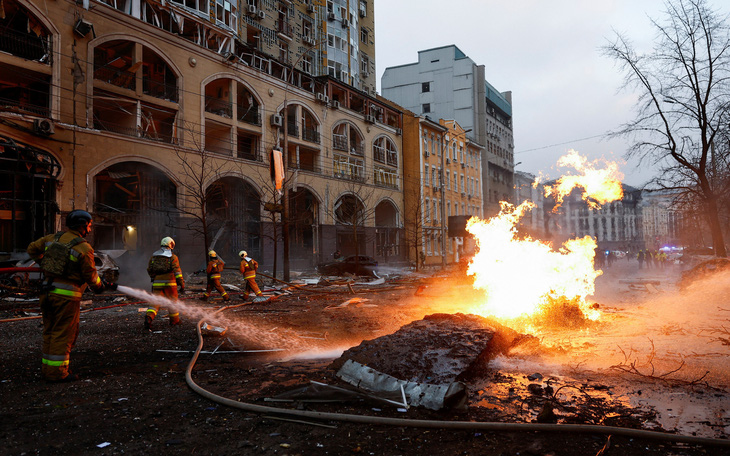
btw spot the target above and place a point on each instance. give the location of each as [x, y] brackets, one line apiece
[135, 91]
[24, 37]
[349, 149]
[232, 119]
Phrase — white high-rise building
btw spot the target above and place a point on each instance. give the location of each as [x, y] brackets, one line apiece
[446, 84]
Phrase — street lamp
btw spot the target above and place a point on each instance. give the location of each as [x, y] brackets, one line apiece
[444, 149]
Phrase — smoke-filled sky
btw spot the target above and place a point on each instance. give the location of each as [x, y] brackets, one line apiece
[565, 93]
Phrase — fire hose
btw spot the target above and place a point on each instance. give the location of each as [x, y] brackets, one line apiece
[464, 425]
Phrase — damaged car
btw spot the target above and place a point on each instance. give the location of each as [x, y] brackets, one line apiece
[353, 264]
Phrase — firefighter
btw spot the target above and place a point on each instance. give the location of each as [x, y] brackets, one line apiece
[248, 269]
[214, 269]
[67, 261]
[164, 270]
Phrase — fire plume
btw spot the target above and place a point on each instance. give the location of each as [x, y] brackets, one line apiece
[600, 185]
[520, 275]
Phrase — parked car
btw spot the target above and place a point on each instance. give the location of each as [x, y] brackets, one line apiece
[353, 264]
[105, 265]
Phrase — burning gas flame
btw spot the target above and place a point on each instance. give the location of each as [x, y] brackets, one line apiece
[522, 276]
[600, 185]
[519, 275]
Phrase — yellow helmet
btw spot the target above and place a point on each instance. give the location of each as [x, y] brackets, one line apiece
[212, 254]
[242, 254]
[168, 242]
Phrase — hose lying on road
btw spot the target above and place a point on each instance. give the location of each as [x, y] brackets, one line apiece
[484, 426]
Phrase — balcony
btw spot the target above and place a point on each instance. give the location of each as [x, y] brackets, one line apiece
[219, 107]
[250, 116]
[339, 142]
[292, 129]
[26, 45]
[159, 90]
[311, 135]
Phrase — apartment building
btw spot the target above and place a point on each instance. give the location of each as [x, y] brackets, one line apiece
[162, 119]
[446, 84]
[615, 226]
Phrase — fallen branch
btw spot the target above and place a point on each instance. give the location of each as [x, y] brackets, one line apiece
[629, 366]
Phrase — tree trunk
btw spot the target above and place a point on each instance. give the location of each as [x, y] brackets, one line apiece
[713, 220]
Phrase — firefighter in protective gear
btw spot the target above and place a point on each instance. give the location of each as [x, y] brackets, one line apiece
[248, 269]
[68, 264]
[214, 269]
[164, 270]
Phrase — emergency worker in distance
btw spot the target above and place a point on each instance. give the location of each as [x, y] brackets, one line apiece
[248, 269]
[213, 270]
[164, 270]
[67, 261]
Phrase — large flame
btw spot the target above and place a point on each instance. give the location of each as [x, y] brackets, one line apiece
[520, 275]
[600, 185]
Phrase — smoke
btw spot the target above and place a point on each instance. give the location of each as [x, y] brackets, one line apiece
[656, 333]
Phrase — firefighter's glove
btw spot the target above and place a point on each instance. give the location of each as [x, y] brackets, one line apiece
[182, 289]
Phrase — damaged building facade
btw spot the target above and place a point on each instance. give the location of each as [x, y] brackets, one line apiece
[160, 117]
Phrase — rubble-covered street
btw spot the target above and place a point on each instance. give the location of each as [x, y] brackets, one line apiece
[656, 361]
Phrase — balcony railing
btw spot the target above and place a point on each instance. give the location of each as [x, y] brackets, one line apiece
[220, 150]
[339, 142]
[248, 152]
[26, 45]
[159, 90]
[357, 149]
[7, 104]
[219, 107]
[306, 167]
[249, 115]
[292, 129]
[311, 135]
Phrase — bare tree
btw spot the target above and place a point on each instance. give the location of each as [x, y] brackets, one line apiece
[354, 208]
[684, 101]
[199, 167]
[414, 223]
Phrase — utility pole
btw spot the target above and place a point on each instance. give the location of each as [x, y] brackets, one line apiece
[444, 149]
[285, 164]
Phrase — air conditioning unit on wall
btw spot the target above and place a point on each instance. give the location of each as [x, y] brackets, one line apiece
[44, 127]
[276, 120]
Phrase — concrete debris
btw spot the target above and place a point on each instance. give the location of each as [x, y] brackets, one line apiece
[430, 396]
[439, 349]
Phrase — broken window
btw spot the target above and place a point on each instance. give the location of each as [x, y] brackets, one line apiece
[24, 91]
[247, 105]
[346, 137]
[310, 127]
[218, 138]
[384, 151]
[349, 210]
[22, 35]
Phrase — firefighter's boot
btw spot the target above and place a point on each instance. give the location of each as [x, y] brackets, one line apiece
[148, 323]
[204, 297]
[226, 298]
[175, 320]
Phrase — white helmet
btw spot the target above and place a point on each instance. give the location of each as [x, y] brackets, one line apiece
[242, 254]
[168, 242]
[212, 254]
